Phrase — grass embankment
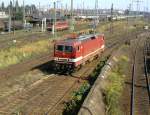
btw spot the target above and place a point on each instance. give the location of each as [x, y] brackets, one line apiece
[115, 85]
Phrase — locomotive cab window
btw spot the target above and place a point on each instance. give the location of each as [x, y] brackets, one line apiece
[68, 49]
[93, 37]
[60, 47]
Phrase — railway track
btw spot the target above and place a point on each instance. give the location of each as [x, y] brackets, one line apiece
[139, 82]
[49, 93]
[86, 72]
[146, 63]
[25, 102]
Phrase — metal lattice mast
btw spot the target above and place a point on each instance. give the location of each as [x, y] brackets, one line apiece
[138, 2]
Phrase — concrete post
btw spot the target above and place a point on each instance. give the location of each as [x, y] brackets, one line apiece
[42, 25]
[45, 24]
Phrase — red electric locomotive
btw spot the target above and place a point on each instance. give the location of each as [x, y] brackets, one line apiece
[60, 25]
[71, 53]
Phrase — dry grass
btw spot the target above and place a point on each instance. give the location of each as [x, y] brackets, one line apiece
[115, 87]
[15, 55]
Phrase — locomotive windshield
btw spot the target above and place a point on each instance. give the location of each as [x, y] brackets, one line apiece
[68, 48]
[62, 48]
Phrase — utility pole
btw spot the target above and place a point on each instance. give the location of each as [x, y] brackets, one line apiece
[9, 19]
[131, 12]
[111, 18]
[147, 14]
[83, 8]
[54, 21]
[24, 22]
[13, 10]
[72, 19]
[128, 13]
[66, 12]
[62, 9]
[39, 6]
[96, 11]
[39, 9]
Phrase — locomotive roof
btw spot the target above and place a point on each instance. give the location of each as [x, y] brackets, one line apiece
[82, 38]
[78, 39]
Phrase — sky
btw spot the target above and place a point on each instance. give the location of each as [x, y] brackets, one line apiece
[118, 4]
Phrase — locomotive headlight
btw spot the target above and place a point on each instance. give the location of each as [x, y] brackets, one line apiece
[56, 59]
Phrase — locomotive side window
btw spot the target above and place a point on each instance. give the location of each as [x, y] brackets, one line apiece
[60, 48]
[68, 49]
[78, 48]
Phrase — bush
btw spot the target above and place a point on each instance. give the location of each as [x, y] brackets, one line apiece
[97, 70]
[72, 107]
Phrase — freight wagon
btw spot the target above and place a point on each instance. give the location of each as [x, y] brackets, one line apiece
[74, 52]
